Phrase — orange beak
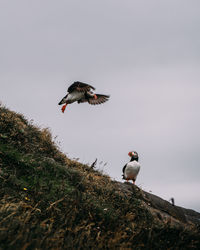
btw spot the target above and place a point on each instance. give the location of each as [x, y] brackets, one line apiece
[64, 107]
[130, 154]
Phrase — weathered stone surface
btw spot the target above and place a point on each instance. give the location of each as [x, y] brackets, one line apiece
[161, 207]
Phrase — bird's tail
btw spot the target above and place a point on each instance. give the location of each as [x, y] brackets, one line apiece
[63, 101]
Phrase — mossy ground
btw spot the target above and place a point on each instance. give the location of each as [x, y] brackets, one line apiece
[51, 202]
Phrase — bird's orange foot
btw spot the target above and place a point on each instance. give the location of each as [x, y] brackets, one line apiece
[95, 97]
[64, 107]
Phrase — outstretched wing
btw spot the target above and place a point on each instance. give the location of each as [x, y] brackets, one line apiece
[80, 86]
[100, 99]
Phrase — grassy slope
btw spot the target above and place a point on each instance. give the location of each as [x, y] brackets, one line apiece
[51, 202]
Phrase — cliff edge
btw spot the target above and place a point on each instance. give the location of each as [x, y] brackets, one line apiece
[51, 202]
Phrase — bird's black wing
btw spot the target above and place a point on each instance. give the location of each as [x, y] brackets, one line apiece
[123, 170]
[100, 99]
[80, 86]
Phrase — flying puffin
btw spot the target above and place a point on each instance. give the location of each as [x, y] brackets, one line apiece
[131, 169]
[81, 92]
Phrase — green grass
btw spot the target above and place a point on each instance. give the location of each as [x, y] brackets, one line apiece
[51, 202]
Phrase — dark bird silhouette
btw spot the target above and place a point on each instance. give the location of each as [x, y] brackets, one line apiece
[172, 201]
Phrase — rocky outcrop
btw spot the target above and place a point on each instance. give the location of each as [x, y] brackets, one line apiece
[162, 209]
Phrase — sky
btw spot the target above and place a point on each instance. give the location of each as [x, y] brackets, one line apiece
[144, 54]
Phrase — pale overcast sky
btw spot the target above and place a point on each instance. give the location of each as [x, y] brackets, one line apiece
[144, 53]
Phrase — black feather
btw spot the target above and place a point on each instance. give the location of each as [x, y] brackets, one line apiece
[80, 86]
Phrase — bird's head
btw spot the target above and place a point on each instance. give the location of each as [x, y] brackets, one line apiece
[133, 155]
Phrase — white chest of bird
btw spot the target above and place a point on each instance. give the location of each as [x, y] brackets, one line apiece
[75, 96]
[132, 169]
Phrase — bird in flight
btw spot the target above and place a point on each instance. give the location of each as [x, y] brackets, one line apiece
[81, 92]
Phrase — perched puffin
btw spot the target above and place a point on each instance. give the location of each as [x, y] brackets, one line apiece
[81, 92]
[131, 169]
